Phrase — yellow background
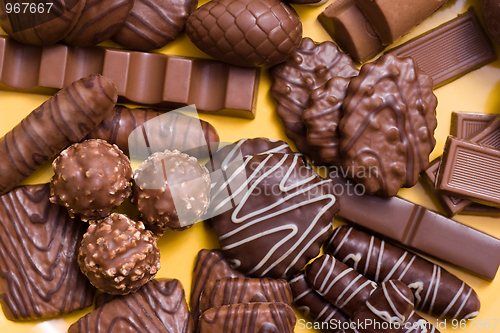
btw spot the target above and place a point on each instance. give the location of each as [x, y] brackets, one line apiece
[478, 91]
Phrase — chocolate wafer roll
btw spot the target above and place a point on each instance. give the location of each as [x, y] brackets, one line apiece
[171, 130]
[64, 119]
[437, 292]
[339, 284]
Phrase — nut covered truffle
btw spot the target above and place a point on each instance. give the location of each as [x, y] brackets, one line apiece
[171, 191]
[90, 179]
[118, 255]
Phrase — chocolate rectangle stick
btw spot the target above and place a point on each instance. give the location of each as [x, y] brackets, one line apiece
[451, 50]
[420, 229]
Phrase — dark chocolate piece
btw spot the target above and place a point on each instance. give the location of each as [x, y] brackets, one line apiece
[118, 255]
[470, 171]
[391, 19]
[272, 215]
[241, 290]
[64, 119]
[349, 28]
[37, 279]
[420, 229]
[90, 179]
[466, 124]
[248, 318]
[490, 10]
[251, 33]
[294, 80]
[451, 50]
[437, 292]
[171, 191]
[143, 78]
[388, 123]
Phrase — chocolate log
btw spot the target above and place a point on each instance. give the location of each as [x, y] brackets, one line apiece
[39, 275]
[437, 292]
[65, 118]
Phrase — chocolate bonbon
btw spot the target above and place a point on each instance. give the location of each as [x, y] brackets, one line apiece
[311, 66]
[150, 79]
[118, 254]
[420, 229]
[276, 216]
[246, 32]
[90, 179]
[64, 119]
[490, 9]
[36, 279]
[437, 292]
[388, 123]
[450, 50]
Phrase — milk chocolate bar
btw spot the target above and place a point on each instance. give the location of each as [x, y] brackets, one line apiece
[151, 79]
[470, 171]
[466, 124]
[450, 50]
[420, 229]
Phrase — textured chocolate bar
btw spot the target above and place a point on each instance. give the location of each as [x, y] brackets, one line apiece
[420, 229]
[466, 124]
[470, 171]
[151, 79]
[451, 50]
[37, 279]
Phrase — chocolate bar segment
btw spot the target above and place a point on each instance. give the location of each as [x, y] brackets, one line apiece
[466, 124]
[451, 50]
[39, 275]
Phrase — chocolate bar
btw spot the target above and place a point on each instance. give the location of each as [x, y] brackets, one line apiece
[420, 229]
[470, 171]
[151, 79]
[466, 124]
[450, 50]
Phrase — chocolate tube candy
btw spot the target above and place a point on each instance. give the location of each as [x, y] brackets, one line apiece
[37, 279]
[385, 311]
[248, 318]
[451, 50]
[244, 290]
[419, 229]
[391, 19]
[339, 284]
[437, 292]
[466, 124]
[470, 171]
[348, 27]
[64, 119]
[151, 79]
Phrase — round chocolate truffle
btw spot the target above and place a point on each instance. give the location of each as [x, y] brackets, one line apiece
[171, 191]
[248, 33]
[118, 254]
[90, 179]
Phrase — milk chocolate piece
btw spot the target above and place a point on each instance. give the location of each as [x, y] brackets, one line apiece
[277, 219]
[240, 290]
[388, 123]
[151, 79]
[43, 27]
[450, 50]
[470, 171]
[349, 28]
[420, 229]
[391, 19]
[39, 275]
[251, 33]
[480, 210]
[387, 308]
[466, 124]
[490, 10]
[294, 80]
[249, 318]
[100, 20]
[153, 24]
[64, 119]
[437, 292]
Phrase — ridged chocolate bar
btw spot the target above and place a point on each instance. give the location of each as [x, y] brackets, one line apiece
[420, 229]
[466, 124]
[150, 79]
[450, 50]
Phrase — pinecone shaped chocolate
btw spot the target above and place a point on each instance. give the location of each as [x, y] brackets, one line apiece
[118, 255]
[250, 33]
[90, 179]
